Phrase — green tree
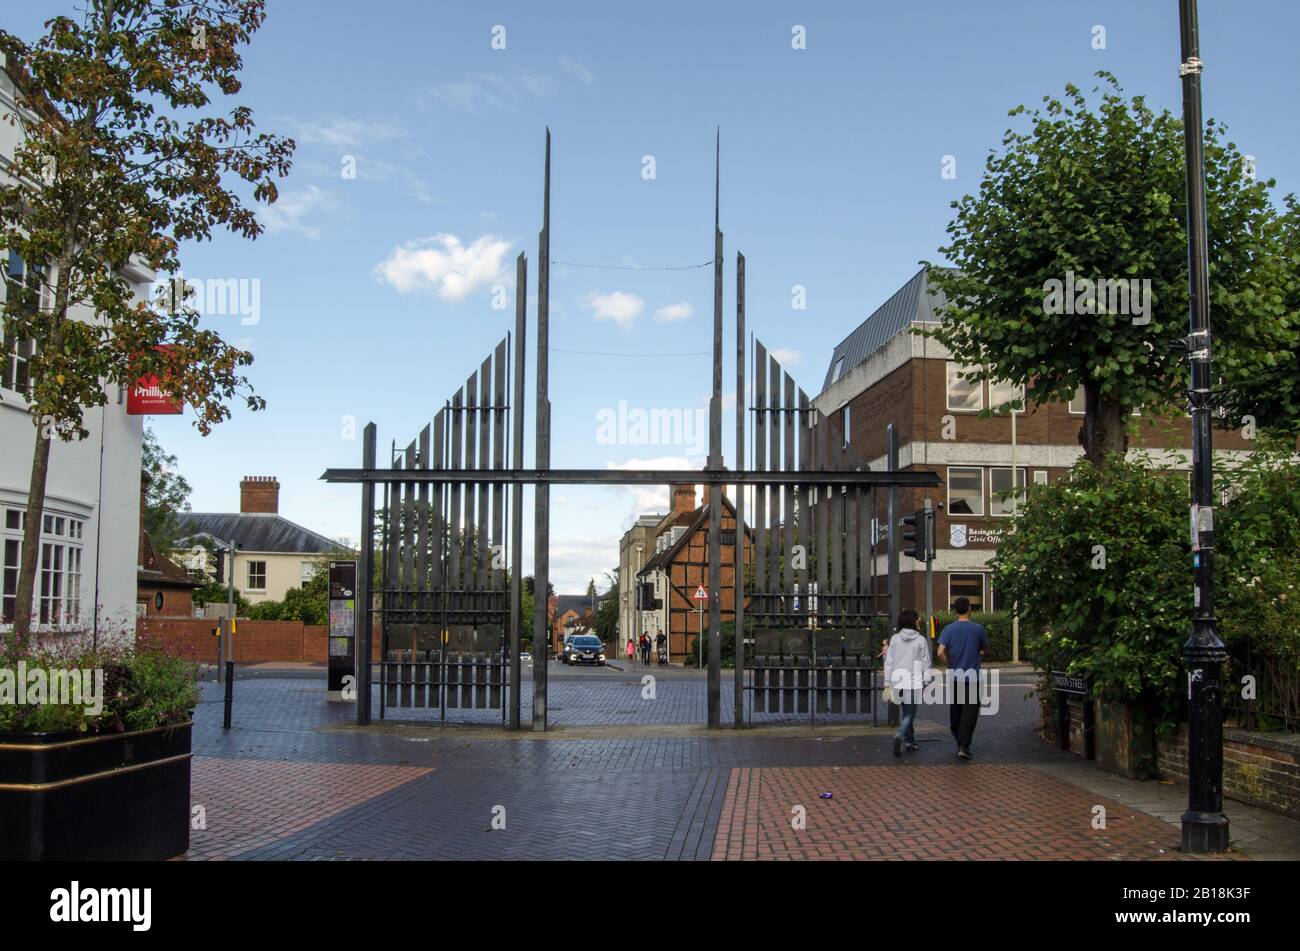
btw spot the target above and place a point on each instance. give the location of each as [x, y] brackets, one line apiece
[166, 493]
[605, 622]
[122, 156]
[1100, 567]
[1100, 195]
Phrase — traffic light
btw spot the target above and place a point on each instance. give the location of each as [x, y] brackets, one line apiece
[916, 535]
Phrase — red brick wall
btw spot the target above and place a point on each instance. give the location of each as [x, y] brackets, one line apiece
[255, 641]
[1258, 769]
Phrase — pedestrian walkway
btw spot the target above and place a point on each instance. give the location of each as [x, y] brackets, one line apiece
[296, 779]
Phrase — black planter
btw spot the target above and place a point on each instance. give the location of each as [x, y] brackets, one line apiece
[112, 796]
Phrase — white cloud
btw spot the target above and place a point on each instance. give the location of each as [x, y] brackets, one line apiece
[443, 263]
[787, 357]
[577, 70]
[494, 90]
[341, 132]
[618, 306]
[654, 499]
[292, 210]
[670, 313]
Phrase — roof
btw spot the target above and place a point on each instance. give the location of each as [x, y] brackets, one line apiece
[155, 568]
[255, 531]
[914, 302]
[697, 521]
[580, 604]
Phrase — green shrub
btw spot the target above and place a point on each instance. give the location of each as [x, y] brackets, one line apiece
[997, 623]
[143, 688]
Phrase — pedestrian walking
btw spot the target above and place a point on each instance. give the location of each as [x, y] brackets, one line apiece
[961, 645]
[661, 648]
[631, 652]
[907, 668]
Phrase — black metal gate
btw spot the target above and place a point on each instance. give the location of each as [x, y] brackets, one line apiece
[449, 629]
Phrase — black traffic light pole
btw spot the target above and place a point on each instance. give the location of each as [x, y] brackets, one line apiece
[1205, 827]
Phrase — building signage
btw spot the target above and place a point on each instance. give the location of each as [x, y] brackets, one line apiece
[145, 397]
[959, 536]
[1068, 683]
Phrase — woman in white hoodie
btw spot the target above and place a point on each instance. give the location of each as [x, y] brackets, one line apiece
[907, 665]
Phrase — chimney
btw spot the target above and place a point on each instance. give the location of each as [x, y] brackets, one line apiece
[259, 494]
[683, 498]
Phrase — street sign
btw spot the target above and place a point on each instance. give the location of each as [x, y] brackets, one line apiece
[701, 594]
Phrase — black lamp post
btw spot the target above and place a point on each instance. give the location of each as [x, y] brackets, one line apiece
[1205, 827]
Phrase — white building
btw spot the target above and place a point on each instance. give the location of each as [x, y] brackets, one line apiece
[90, 539]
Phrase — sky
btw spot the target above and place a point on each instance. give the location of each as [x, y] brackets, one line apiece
[371, 296]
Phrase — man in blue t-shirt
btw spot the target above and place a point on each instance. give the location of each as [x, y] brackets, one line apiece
[961, 645]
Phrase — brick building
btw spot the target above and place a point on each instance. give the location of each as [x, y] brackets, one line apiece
[273, 554]
[883, 373]
[679, 565]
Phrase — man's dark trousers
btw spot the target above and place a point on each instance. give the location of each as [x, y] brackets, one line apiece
[961, 719]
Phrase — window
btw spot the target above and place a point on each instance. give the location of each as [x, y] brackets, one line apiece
[967, 586]
[1078, 405]
[72, 590]
[1001, 393]
[57, 598]
[256, 576]
[52, 579]
[839, 368]
[965, 491]
[846, 426]
[17, 354]
[1001, 501]
[308, 572]
[964, 395]
[1040, 477]
[12, 549]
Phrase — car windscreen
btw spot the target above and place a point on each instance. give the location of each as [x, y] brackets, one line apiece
[586, 642]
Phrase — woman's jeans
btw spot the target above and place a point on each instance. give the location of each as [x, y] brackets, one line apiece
[906, 721]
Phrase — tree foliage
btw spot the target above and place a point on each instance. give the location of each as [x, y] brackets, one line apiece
[1101, 193]
[122, 155]
[166, 493]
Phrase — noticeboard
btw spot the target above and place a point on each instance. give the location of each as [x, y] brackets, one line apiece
[342, 621]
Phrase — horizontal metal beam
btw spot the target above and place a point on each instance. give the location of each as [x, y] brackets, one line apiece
[631, 477]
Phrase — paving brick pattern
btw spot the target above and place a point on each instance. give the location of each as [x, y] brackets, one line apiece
[905, 811]
[296, 779]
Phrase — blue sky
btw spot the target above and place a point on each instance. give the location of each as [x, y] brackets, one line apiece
[376, 292]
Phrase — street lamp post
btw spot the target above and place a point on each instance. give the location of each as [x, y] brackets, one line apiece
[1205, 827]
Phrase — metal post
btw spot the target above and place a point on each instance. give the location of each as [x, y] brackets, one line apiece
[1205, 827]
[365, 572]
[1015, 494]
[517, 491]
[542, 496]
[227, 632]
[891, 449]
[928, 529]
[738, 560]
[715, 463]
[230, 694]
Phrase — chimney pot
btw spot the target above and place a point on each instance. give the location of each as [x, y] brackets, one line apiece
[259, 494]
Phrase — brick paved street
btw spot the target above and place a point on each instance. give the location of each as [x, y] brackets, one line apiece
[623, 778]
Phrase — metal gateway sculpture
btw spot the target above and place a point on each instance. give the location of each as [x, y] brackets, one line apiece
[450, 542]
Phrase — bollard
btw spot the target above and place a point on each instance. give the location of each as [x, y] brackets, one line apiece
[230, 692]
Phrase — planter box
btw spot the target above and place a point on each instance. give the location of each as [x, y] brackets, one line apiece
[112, 796]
